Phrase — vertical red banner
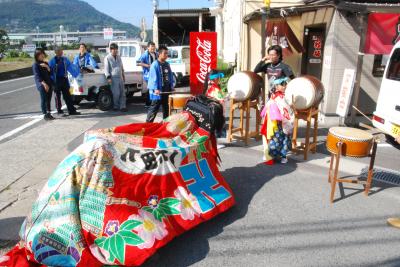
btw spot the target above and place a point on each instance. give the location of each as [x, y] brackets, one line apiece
[203, 58]
[383, 33]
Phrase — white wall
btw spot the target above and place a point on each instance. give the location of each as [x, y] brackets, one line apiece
[341, 51]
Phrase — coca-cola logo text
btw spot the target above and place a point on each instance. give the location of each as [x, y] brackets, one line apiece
[203, 52]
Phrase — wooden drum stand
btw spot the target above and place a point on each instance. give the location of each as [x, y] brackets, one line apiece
[245, 108]
[306, 115]
[349, 142]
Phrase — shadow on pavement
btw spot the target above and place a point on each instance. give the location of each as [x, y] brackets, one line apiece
[193, 246]
[9, 229]
[382, 179]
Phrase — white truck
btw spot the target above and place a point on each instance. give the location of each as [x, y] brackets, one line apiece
[94, 86]
[387, 115]
[179, 60]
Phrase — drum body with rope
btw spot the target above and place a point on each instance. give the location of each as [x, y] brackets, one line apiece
[177, 101]
[244, 85]
[306, 92]
[355, 142]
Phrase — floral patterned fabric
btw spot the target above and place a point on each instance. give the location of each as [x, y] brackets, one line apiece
[123, 194]
[277, 133]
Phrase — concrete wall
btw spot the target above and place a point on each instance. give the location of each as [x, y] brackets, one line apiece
[235, 40]
[232, 29]
[341, 51]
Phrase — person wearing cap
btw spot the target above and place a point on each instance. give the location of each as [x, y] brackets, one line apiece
[41, 74]
[60, 66]
[84, 60]
[115, 75]
[278, 125]
[212, 89]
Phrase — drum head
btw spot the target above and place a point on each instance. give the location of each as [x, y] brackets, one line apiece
[182, 95]
[239, 86]
[348, 133]
[302, 91]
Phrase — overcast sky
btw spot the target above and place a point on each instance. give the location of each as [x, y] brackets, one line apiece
[132, 11]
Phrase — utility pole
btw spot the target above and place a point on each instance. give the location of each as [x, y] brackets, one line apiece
[155, 22]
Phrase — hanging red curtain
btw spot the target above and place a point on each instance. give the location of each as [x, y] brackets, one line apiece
[382, 33]
[280, 33]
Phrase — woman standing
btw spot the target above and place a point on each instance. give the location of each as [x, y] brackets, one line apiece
[41, 72]
[273, 66]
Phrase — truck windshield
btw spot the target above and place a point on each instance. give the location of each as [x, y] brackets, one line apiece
[173, 53]
[393, 72]
[127, 51]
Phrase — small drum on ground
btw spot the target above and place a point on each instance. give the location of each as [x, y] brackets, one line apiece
[244, 85]
[306, 91]
[356, 143]
[178, 101]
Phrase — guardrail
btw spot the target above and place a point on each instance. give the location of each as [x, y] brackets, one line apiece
[16, 74]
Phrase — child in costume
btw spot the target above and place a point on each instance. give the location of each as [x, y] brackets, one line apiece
[277, 128]
[212, 89]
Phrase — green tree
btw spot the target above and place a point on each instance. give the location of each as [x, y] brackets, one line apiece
[4, 41]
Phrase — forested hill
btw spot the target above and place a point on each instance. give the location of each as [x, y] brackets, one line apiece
[48, 15]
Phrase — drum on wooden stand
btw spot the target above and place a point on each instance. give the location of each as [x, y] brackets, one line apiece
[355, 142]
[306, 92]
[177, 101]
[244, 85]
[349, 142]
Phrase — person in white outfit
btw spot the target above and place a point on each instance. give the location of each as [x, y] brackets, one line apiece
[114, 71]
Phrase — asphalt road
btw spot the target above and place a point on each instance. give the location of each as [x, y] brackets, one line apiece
[19, 103]
[282, 218]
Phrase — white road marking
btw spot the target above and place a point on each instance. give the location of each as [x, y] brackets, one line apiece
[17, 130]
[26, 117]
[16, 90]
[37, 118]
[18, 79]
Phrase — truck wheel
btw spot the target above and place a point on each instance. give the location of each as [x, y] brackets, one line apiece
[105, 100]
[76, 99]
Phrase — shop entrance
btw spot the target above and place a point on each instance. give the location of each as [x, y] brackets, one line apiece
[314, 41]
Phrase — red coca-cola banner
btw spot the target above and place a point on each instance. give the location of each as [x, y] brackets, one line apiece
[203, 58]
[383, 32]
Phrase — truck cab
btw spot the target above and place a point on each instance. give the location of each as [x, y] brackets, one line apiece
[387, 114]
[130, 51]
[179, 60]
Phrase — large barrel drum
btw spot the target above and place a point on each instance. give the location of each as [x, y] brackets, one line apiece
[306, 91]
[244, 85]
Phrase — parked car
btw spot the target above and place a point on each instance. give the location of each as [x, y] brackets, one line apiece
[179, 60]
[387, 114]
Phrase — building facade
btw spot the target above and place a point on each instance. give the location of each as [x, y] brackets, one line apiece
[337, 26]
[59, 38]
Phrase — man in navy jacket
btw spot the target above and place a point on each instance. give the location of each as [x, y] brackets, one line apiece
[161, 82]
[60, 66]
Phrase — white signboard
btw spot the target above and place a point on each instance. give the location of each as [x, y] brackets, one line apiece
[108, 33]
[29, 48]
[346, 91]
